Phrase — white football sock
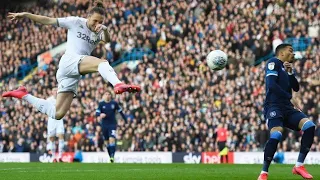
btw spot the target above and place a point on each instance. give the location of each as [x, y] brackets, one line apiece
[298, 164]
[49, 145]
[264, 172]
[61, 145]
[108, 73]
[44, 106]
[53, 149]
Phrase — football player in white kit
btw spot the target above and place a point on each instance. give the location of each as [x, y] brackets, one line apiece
[83, 36]
[55, 129]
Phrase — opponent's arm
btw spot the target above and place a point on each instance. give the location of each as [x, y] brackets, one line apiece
[292, 78]
[98, 111]
[294, 82]
[123, 116]
[36, 18]
[295, 103]
[271, 81]
[121, 113]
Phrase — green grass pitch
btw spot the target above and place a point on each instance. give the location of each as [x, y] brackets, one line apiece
[77, 171]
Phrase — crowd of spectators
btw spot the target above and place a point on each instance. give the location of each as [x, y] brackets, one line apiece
[182, 102]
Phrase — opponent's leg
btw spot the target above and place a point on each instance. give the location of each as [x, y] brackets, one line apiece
[270, 149]
[90, 64]
[308, 128]
[112, 148]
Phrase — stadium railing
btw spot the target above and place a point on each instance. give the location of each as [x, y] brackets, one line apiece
[134, 54]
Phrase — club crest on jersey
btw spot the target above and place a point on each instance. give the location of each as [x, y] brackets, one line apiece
[103, 107]
[271, 66]
[273, 114]
[112, 106]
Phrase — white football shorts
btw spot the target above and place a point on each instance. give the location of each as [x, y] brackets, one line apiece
[55, 127]
[68, 75]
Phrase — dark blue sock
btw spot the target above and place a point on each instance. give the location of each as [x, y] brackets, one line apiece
[112, 149]
[270, 149]
[108, 149]
[306, 143]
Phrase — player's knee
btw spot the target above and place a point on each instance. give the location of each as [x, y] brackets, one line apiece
[308, 124]
[59, 115]
[277, 128]
[111, 140]
[61, 137]
[276, 134]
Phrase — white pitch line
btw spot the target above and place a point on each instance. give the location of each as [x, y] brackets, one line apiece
[8, 169]
[52, 170]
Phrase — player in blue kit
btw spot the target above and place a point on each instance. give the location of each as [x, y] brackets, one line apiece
[107, 111]
[280, 112]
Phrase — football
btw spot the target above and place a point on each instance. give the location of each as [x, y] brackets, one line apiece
[217, 60]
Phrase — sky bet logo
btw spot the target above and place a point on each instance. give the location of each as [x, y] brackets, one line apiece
[192, 159]
[188, 158]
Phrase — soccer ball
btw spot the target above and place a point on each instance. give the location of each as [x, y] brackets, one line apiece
[217, 60]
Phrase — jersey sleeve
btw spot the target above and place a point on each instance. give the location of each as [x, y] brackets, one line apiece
[118, 107]
[272, 68]
[98, 111]
[51, 100]
[67, 22]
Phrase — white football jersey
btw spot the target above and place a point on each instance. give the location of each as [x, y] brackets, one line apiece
[52, 100]
[80, 40]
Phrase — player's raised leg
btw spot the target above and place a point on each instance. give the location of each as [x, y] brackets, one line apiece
[57, 111]
[308, 128]
[270, 149]
[90, 64]
[63, 103]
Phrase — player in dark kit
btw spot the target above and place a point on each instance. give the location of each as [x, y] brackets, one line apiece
[107, 111]
[280, 112]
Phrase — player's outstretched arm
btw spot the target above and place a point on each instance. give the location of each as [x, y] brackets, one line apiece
[36, 18]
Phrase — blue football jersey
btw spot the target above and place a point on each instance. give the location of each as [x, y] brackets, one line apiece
[110, 109]
[279, 84]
